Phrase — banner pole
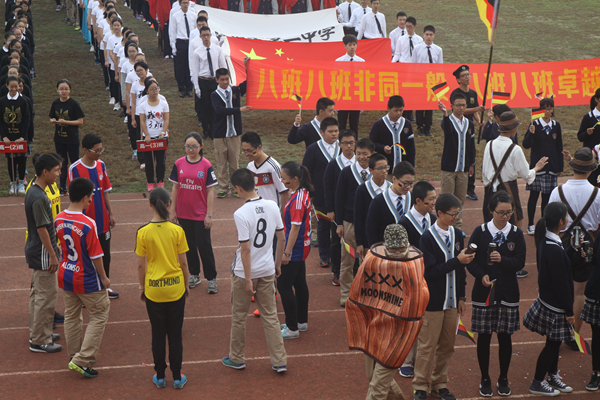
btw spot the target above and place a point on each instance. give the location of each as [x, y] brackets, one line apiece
[487, 81]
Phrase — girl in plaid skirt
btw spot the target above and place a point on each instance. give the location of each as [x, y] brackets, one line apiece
[552, 312]
[591, 315]
[496, 290]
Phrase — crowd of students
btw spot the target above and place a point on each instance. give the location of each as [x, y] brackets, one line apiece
[350, 188]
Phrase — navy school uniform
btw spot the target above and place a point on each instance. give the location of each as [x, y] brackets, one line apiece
[362, 200]
[415, 229]
[308, 133]
[589, 120]
[591, 308]
[347, 184]
[445, 275]
[384, 134]
[228, 114]
[381, 214]
[491, 132]
[330, 179]
[545, 142]
[459, 147]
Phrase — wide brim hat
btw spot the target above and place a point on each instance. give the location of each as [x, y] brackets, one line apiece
[583, 160]
[508, 121]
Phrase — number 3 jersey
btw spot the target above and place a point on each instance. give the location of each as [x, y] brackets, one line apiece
[256, 222]
[80, 245]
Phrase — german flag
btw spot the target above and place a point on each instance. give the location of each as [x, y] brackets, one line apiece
[500, 97]
[297, 98]
[539, 95]
[461, 330]
[537, 113]
[401, 148]
[350, 250]
[322, 216]
[440, 89]
[492, 295]
[584, 347]
[488, 12]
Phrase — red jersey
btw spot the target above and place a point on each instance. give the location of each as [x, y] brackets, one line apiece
[97, 209]
[297, 212]
[80, 245]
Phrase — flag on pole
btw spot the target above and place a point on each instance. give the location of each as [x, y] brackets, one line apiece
[584, 347]
[350, 250]
[297, 98]
[462, 330]
[440, 89]
[492, 295]
[537, 113]
[401, 148]
[539, 95]
[500, 97]
[323, 216]
[488, 12]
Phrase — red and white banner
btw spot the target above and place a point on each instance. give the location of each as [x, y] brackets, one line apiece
[367, 86]
[155, 144]
[13, 147]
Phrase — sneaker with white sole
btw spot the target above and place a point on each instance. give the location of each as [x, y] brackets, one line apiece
[289, 334]
[212, 286]
[594, 382]
[485, 387]
[228, 363]
[522, 274]
[503, 387]
[542, 388]
[88, 372]
[111, 101]
[13, 188]
[92, 49]
[282, 368]
[21, 187]
[45, 348]
[555, 381]
[406, 372]
[117, 107]
[112, 294]
[531, 230]
[301, 327]
[194, 280]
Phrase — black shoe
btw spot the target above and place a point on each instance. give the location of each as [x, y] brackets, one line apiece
[443, 394]
[45, 348]
[485, 387]
[503, 388]
[594, 382]
[572, 344]
[428, 133]
[323, 263]
[123, 114]
[189, 94]
[182, 94]
[420, 132]
[58, 317]
[420, 395]
[522, 274]
[471, 195]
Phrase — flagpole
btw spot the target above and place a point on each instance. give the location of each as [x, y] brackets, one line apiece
[487, 78]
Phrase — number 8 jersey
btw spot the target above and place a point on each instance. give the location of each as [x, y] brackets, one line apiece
[80, 245]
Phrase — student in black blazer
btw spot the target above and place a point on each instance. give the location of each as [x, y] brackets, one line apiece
[388, 207]
[591, 315]
[309, 133]
[589, 130]
[316, 158]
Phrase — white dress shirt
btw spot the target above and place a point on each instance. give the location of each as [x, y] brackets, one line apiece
[379, 189]
[330, 148]
[395, 35]
[196, 43]
[357, 16]
[342, 9]
[420, 54]
[177, 26]
[443, 234]
[346, 57]
[349, 161]
[493, 230]
[394, 198]
[419, 217]
[515, 166]
[368, 27]
[596, 113]
[577, 193]
[403, 51]
[199, 65]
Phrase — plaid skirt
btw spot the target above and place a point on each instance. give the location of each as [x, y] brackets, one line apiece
[540, 319]
[499, 319]
[591, 313]
[543, 183]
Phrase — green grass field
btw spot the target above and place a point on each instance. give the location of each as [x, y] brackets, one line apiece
[527, 32]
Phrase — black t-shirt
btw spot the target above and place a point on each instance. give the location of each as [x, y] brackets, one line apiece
[69, 110]
[472, 101]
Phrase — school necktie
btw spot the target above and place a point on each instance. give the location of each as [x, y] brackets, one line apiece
[429, 55]
[399, 206]
[402, 32]
[424, 223]
[448, 244]
[363, 175]
[210, 66]
[351, 58]
[547, 129]
[364, 11]
[378, 25]
[499, 239]
[230, 131]
[412, 46]
[187, 25]
[349, 11]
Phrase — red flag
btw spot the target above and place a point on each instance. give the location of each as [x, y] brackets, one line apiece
[488, 12]
[461, 330]
[161, 8]
[322, 216]
[350, 250]
[491, 295]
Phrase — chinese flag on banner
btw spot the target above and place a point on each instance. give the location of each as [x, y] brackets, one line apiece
[375, 50]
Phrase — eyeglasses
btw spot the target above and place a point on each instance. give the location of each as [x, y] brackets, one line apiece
[99, 151]
[381, 169]
[154, 90]
[352, 143]
[455, 215]
[188, 147]
[405, 184]
[250, 152]
[505, 214]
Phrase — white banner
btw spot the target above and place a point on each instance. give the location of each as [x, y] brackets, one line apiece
[315, 26]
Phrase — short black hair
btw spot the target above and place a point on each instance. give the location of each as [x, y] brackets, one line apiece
[412, 20]
[44, 162]
[327, 122]
[375, 158]
[365, 143]
[349, 39]
[221, 72]
[458, 96]
[63, 81]
[498, 109]
[346, 133]
[12, 78]
[429, 28]
[252, 138]
[201, 18]
[90, 140]
[395, 101]
[204, 28]
[403, 168]
[500, 196]
[243, 178]
[323, 103]
[421, 189]
[400, 14]
[79, 188]
[445, 202]
[140, 64]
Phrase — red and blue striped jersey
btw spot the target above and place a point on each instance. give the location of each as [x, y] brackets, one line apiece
[80, 245]
[297, 212]
[97, 209]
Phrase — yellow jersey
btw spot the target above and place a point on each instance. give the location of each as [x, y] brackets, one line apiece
[54, 196]
[161, 243]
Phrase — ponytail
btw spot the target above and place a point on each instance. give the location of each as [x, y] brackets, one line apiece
[553, 214]
[593, 101]
[159, 198]
[293, 170]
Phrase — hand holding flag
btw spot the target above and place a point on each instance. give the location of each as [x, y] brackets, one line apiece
[583, 346]
[299, 100]
[401, 148]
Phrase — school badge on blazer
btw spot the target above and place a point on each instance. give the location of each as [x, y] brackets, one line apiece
[405, 130]
[511, 246]
[554, 136]
[457, 247]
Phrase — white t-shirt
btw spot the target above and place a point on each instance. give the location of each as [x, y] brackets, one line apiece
[155, 116]
[144, 99]
[267, 179]
[136, 90]
[132, 77]
[256, 222]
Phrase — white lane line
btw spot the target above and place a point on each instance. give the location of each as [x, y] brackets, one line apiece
[56, 371]
[120, 224]
[522, 396]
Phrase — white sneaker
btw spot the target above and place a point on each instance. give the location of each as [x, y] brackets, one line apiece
[117, 107]
[21, 188]
[92, 49]
[13, 188]
[531, 230]
[111, 101]
[125, 120]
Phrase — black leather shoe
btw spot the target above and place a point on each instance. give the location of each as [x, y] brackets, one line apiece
[182, 94]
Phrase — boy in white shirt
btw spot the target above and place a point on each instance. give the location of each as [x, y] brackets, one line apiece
[372, 26]
[357, 16]
[350, 43]
[405, 44]
[399, 31]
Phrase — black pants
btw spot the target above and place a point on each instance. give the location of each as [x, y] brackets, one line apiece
[353, 117]
[207, 86]
[199, 241]
[166, 43]
[160, 156]
[134, 136]
[595, 347]
[115, 87]
[294, 293]
[532, 204]
[104, 69]
[504, 353]
[105, 244]
[198, 108]
[166, 319]
[182, 66]
[408, 114]
[20, 163]
[336, 250]
[70, 154]
[548, 360]
[80, 11]
[424, 119]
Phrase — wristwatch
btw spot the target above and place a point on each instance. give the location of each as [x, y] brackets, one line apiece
[462, 298]
[209, 216]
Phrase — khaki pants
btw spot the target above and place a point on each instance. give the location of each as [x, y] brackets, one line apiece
[42, 300]
[347, 266]
[436, 342]
[227, 151]
[83, 349]
[72, 12]
[455, 183]
[265, 301]
[382, 385]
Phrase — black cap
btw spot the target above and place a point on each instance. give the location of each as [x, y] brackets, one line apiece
[460, 70]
